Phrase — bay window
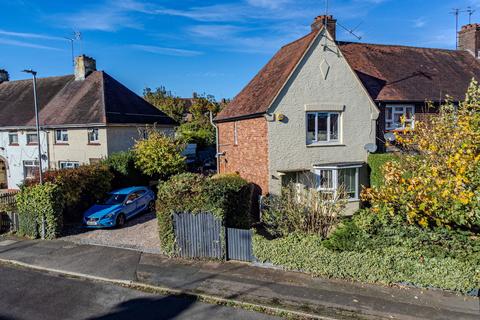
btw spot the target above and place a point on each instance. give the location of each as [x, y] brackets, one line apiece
[323, 127]
[398, 117]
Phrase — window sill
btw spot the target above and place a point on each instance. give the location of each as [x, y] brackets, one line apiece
[325, 144]
[94, 144]
[60, 144]
[13, 144]
[32, 144]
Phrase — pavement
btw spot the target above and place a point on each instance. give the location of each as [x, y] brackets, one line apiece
[28, 294]
[240, 283]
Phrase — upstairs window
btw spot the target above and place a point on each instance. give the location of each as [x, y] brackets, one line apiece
[32, 138]
[399, 117]
[93, 136]
[323, 127]
[61, 136]
[13, 139]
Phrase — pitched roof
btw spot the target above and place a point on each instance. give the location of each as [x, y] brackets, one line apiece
[401, 73]
[389, 73]
[257, 96]
[99, 99]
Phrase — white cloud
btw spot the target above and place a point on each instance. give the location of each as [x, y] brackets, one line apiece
[17, 43]
[269, 4]
[166, 51]
[419, 23]
[28, 35]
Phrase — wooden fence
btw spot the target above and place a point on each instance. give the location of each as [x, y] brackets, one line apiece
[8, 220]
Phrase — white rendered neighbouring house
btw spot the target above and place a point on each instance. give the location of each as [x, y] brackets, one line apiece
[312, 112]
[83, 118]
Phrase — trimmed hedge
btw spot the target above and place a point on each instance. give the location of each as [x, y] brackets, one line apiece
[376, 162]
[228, 197]
[36, 202]
[386, 265]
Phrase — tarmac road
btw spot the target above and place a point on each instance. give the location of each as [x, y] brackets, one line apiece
[27, 294]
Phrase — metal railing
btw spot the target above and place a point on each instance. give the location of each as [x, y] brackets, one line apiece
[8, 218]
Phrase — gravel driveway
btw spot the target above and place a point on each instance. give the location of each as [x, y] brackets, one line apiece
[139, 233]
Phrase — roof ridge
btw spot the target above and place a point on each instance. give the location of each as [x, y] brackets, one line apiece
[398, 45]
[30, 79]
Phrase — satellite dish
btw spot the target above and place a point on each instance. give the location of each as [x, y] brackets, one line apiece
[390, 137]
[370, 147]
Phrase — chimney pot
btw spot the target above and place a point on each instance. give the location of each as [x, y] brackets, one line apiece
[4, 76]
[84, 66]
[319, 23]
[469, 39]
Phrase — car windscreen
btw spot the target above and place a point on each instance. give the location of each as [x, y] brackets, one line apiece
[115, 199]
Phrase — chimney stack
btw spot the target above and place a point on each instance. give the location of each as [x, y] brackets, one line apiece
[84, 66]
[469, 39]
[319, 22]
[4, 75]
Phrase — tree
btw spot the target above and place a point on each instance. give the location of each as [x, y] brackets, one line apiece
[159, 155]
[436, 183]
[164, 100]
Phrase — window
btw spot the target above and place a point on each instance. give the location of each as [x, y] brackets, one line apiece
[332, 178]
[30, 169]
[13, 139]
[323, 127]
[61, 136]
[399, 117]
[235, 134]
[32, 138]
[93, 136]
[68, 164]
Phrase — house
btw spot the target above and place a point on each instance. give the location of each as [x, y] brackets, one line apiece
[83, 118]
[315, 109]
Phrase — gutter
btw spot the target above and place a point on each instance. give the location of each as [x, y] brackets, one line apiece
[216, 142]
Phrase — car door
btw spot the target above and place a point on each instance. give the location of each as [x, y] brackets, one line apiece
[142, 200]
[131, 204]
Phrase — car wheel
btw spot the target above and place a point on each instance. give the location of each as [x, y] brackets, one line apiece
[120, 220]
[151, 206]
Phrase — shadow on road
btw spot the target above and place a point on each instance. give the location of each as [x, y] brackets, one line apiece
[168, 307]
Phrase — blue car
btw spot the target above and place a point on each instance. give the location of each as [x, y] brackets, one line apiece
[119, 206]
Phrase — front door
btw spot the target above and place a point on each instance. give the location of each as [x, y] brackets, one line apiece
[131, 204]
[3, 174]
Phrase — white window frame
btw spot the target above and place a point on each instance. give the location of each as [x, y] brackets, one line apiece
[32, 143]
[29, 164]
[335, 184]
[395, 108]
[68, 164]
[90, 133]
[329, 139]
[61, 136]
[10, 134]
[235, 133]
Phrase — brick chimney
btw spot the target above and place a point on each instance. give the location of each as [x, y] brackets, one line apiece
[84, 66]
[4, 75]
[469, 39]
[319, 22]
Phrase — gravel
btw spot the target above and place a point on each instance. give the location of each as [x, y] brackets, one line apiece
[140, 233]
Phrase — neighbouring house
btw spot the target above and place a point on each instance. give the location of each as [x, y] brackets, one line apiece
[83, 118]
[313, 111]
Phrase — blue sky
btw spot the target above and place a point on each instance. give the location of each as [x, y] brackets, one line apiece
[206, 46]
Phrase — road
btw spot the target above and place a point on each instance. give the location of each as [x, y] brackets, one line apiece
[27, 294]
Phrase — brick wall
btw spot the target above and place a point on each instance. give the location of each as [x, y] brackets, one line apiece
[249, 157]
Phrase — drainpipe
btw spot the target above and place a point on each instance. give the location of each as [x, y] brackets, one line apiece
[216, 141]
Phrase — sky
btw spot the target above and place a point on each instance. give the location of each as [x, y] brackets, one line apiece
[209, 46]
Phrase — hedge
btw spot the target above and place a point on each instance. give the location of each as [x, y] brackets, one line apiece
[64, 196]
[228, 197]
[36, 202]
[387, 265]
[376, 162]
[122, 166]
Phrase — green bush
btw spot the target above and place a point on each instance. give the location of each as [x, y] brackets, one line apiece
[225, 196]
[386, 264]
[37, 202]
[376, 162]
[122, 165]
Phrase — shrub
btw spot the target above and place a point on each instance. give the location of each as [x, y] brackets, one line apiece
[122, 165]
[225, 196]
[437, 181]
[37, 202]
[387, 265]
[302, 210]
[376, 163]
[159, 155]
